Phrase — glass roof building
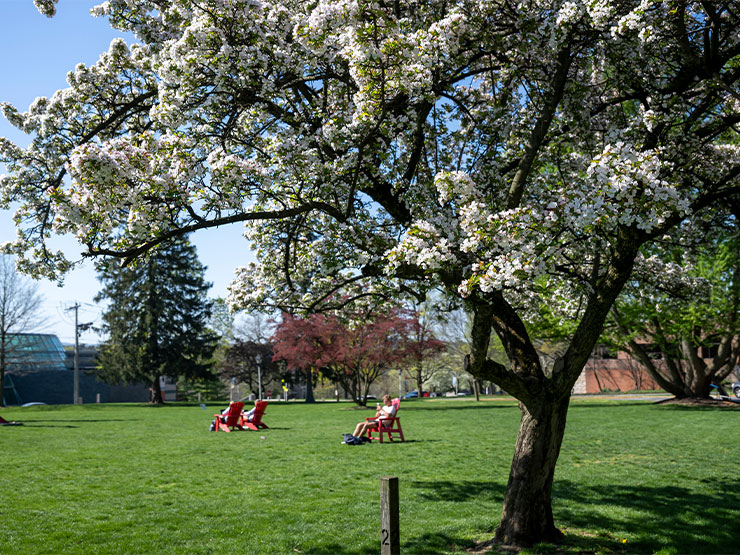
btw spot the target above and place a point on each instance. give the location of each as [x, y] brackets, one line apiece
[40, 351]
[38, 370]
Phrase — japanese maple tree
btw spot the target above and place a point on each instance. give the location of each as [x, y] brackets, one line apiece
[351, 349]
[297, 342]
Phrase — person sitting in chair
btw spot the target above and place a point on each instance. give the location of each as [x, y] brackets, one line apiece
[222, 418]
[386, 410]
[250, 413]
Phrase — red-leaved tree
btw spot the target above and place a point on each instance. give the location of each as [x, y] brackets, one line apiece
[422, 347]
[353, 350]
[298, 341]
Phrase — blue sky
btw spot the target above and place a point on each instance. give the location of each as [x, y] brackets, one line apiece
[36, 54]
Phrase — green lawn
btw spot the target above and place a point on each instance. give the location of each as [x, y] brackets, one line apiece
[632, 477]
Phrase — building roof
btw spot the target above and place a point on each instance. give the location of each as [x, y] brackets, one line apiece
[35, 350]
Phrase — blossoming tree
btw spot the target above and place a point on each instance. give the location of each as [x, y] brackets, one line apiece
[495, 148]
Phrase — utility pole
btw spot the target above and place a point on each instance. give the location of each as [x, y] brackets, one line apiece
[258, 360]
[77, 356]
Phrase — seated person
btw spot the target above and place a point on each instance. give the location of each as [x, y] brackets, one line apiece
[250, 413]
[386, 410]
[224, 412]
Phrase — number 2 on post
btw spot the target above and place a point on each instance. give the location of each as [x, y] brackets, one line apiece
[384, 536]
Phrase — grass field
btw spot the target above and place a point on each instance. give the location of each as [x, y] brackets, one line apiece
[632, 477]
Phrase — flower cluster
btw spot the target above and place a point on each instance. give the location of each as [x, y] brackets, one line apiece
[373, 143]
[46, 7]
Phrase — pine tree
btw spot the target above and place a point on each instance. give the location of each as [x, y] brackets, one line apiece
[157, 318]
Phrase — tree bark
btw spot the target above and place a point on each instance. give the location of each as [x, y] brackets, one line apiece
[156, 397]
[309, 386]
[420, 379]
[527, 517]
[527, 514]
[2, 367]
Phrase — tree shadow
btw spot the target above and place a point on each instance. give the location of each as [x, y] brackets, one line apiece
[722, 407]
[670, 519]
[433, 543]
[339, 549]
[658, 405]
[399, 442]
[427, 544]
[606, 405]
[27, 426]
[79, 421]
[463, 490]
[482, 406]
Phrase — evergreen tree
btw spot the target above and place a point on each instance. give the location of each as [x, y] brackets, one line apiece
[157, 319]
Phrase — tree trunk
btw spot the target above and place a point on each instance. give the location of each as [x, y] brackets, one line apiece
[3, 352]
[156, 397]
[527, 514]
[309, 386]
[419, 379]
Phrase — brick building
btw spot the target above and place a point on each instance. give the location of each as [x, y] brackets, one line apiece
[608, 371]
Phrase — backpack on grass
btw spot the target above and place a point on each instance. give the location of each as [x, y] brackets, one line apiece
[349, 439]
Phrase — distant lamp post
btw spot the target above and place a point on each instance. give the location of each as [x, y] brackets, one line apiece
[258, 360]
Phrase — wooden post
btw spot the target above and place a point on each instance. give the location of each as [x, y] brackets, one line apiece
[390, 539]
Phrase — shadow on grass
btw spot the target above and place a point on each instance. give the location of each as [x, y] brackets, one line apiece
[27, 426]
[723, 407]
[609, 404]
[435, 542]
[671, 518]
[431, 543]
[399, 442]
[79, 421]
[445, 407]
[338, 549]
[667, 519]
[657, 405]
[34, 426]
[464, 490]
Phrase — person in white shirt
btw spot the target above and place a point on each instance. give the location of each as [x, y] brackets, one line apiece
[386, 410]
[247, 416]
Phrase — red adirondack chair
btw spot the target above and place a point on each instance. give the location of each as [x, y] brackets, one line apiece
[4, 422]
[255, 423]
[232, 419]
[388, 426]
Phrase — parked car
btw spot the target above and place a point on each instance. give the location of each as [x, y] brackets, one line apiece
[411, 395]
[736, 389]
